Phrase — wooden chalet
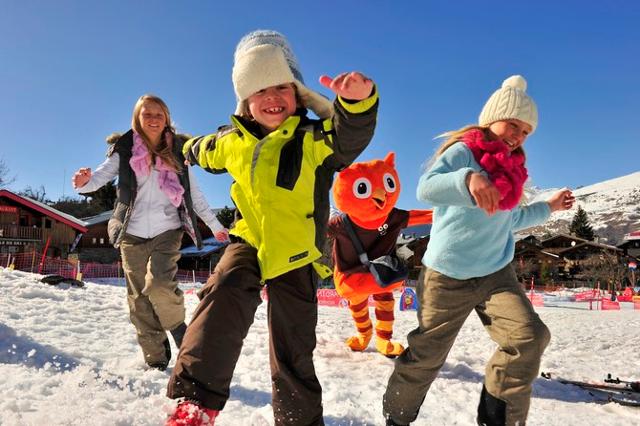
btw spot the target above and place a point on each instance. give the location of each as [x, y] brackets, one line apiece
[529, 248]
[631, 244]
[531, 259]
[411, 246]
[27, 225]
[94, 246]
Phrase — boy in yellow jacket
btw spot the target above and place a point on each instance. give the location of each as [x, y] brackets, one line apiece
[283, 164]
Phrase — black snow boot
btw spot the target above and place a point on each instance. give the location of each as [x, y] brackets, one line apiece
[390, 422]
[167, 352]
[178, 334]
[491, 410]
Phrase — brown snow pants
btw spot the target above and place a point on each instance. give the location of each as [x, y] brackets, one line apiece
[214, 337]
[155, 302]
[444, 305]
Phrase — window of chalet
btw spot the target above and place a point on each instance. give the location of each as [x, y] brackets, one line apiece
[47, 223]
[102, 241]
[94, 240]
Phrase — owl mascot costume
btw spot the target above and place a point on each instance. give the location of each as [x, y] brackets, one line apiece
[366, 193]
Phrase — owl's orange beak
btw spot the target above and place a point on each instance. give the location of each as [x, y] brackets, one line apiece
[379, 198]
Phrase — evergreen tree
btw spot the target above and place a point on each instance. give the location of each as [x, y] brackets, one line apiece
[226, 216]
[580, 226]
[76, 207]
[103, 199]
[91, 204]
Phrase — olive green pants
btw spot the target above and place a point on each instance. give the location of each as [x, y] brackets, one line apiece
[156, 303]
[444, 305]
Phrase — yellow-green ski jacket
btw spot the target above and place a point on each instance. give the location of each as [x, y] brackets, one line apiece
[282, 181]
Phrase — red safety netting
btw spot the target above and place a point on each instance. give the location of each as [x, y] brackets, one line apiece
[36, 263]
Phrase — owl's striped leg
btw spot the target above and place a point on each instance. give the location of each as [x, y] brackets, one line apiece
[359, 306]
[384, 303]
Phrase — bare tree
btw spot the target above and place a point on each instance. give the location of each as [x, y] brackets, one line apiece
[5, 179]
[604, 267]
[38, 194]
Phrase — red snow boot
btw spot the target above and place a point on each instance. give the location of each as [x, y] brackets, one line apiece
[189, 413]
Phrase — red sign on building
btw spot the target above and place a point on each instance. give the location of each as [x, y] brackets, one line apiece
[8, 209]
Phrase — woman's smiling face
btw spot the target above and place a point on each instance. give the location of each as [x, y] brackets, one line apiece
[152, 120]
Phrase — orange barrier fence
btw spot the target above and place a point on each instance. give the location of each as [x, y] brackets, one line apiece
[34, 262]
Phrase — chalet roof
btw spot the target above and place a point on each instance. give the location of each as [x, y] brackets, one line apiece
[547, 241]
[589, 244]
[525, 237]
[632, 236]
[629, 244]
[105, 216]
[99, 218]
[49, 211]
[549, 254]
[209, 245]
[532, 248]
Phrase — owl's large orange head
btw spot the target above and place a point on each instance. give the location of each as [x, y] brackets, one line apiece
[368, 190]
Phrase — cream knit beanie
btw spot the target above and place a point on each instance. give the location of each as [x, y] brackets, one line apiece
[508, 102]
[263, 58]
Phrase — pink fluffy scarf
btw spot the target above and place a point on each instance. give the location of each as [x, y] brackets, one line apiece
[506, 169]
[168, 179]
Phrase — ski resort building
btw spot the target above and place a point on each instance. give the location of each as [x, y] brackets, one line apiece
[27, 225]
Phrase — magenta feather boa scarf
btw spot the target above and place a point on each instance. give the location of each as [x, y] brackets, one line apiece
[506, 170]
[167, 178]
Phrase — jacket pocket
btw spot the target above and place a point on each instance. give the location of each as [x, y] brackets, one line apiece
[290, 164]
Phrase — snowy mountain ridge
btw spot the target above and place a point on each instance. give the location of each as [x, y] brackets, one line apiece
[612, 206]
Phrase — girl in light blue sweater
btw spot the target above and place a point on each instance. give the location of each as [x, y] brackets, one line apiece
[475, 184]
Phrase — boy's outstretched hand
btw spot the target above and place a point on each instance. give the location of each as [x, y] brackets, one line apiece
[353, 85]
[561, 200]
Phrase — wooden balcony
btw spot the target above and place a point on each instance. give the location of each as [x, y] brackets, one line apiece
[20, 232]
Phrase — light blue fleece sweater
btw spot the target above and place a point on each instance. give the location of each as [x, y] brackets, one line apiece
[465, 241]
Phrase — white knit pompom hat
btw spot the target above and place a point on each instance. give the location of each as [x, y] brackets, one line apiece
[263, 58]
[508, 102]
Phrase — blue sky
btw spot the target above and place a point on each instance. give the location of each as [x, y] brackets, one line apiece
[71, 71]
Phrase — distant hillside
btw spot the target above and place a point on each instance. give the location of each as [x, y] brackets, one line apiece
[613, 208]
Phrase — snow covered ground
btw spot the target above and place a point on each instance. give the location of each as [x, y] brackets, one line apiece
[68, 356]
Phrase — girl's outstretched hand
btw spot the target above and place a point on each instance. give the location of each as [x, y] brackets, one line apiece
[561, 200]
[353, 85]
[81, 177]
[485, 193]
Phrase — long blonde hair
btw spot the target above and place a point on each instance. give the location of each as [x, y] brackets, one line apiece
[164, 149]
[454, 136]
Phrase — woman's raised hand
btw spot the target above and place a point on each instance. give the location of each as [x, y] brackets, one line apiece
[81, 177]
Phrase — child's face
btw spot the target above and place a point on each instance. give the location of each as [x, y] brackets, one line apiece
[152, 120]
[271, 106]
[512, 132]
